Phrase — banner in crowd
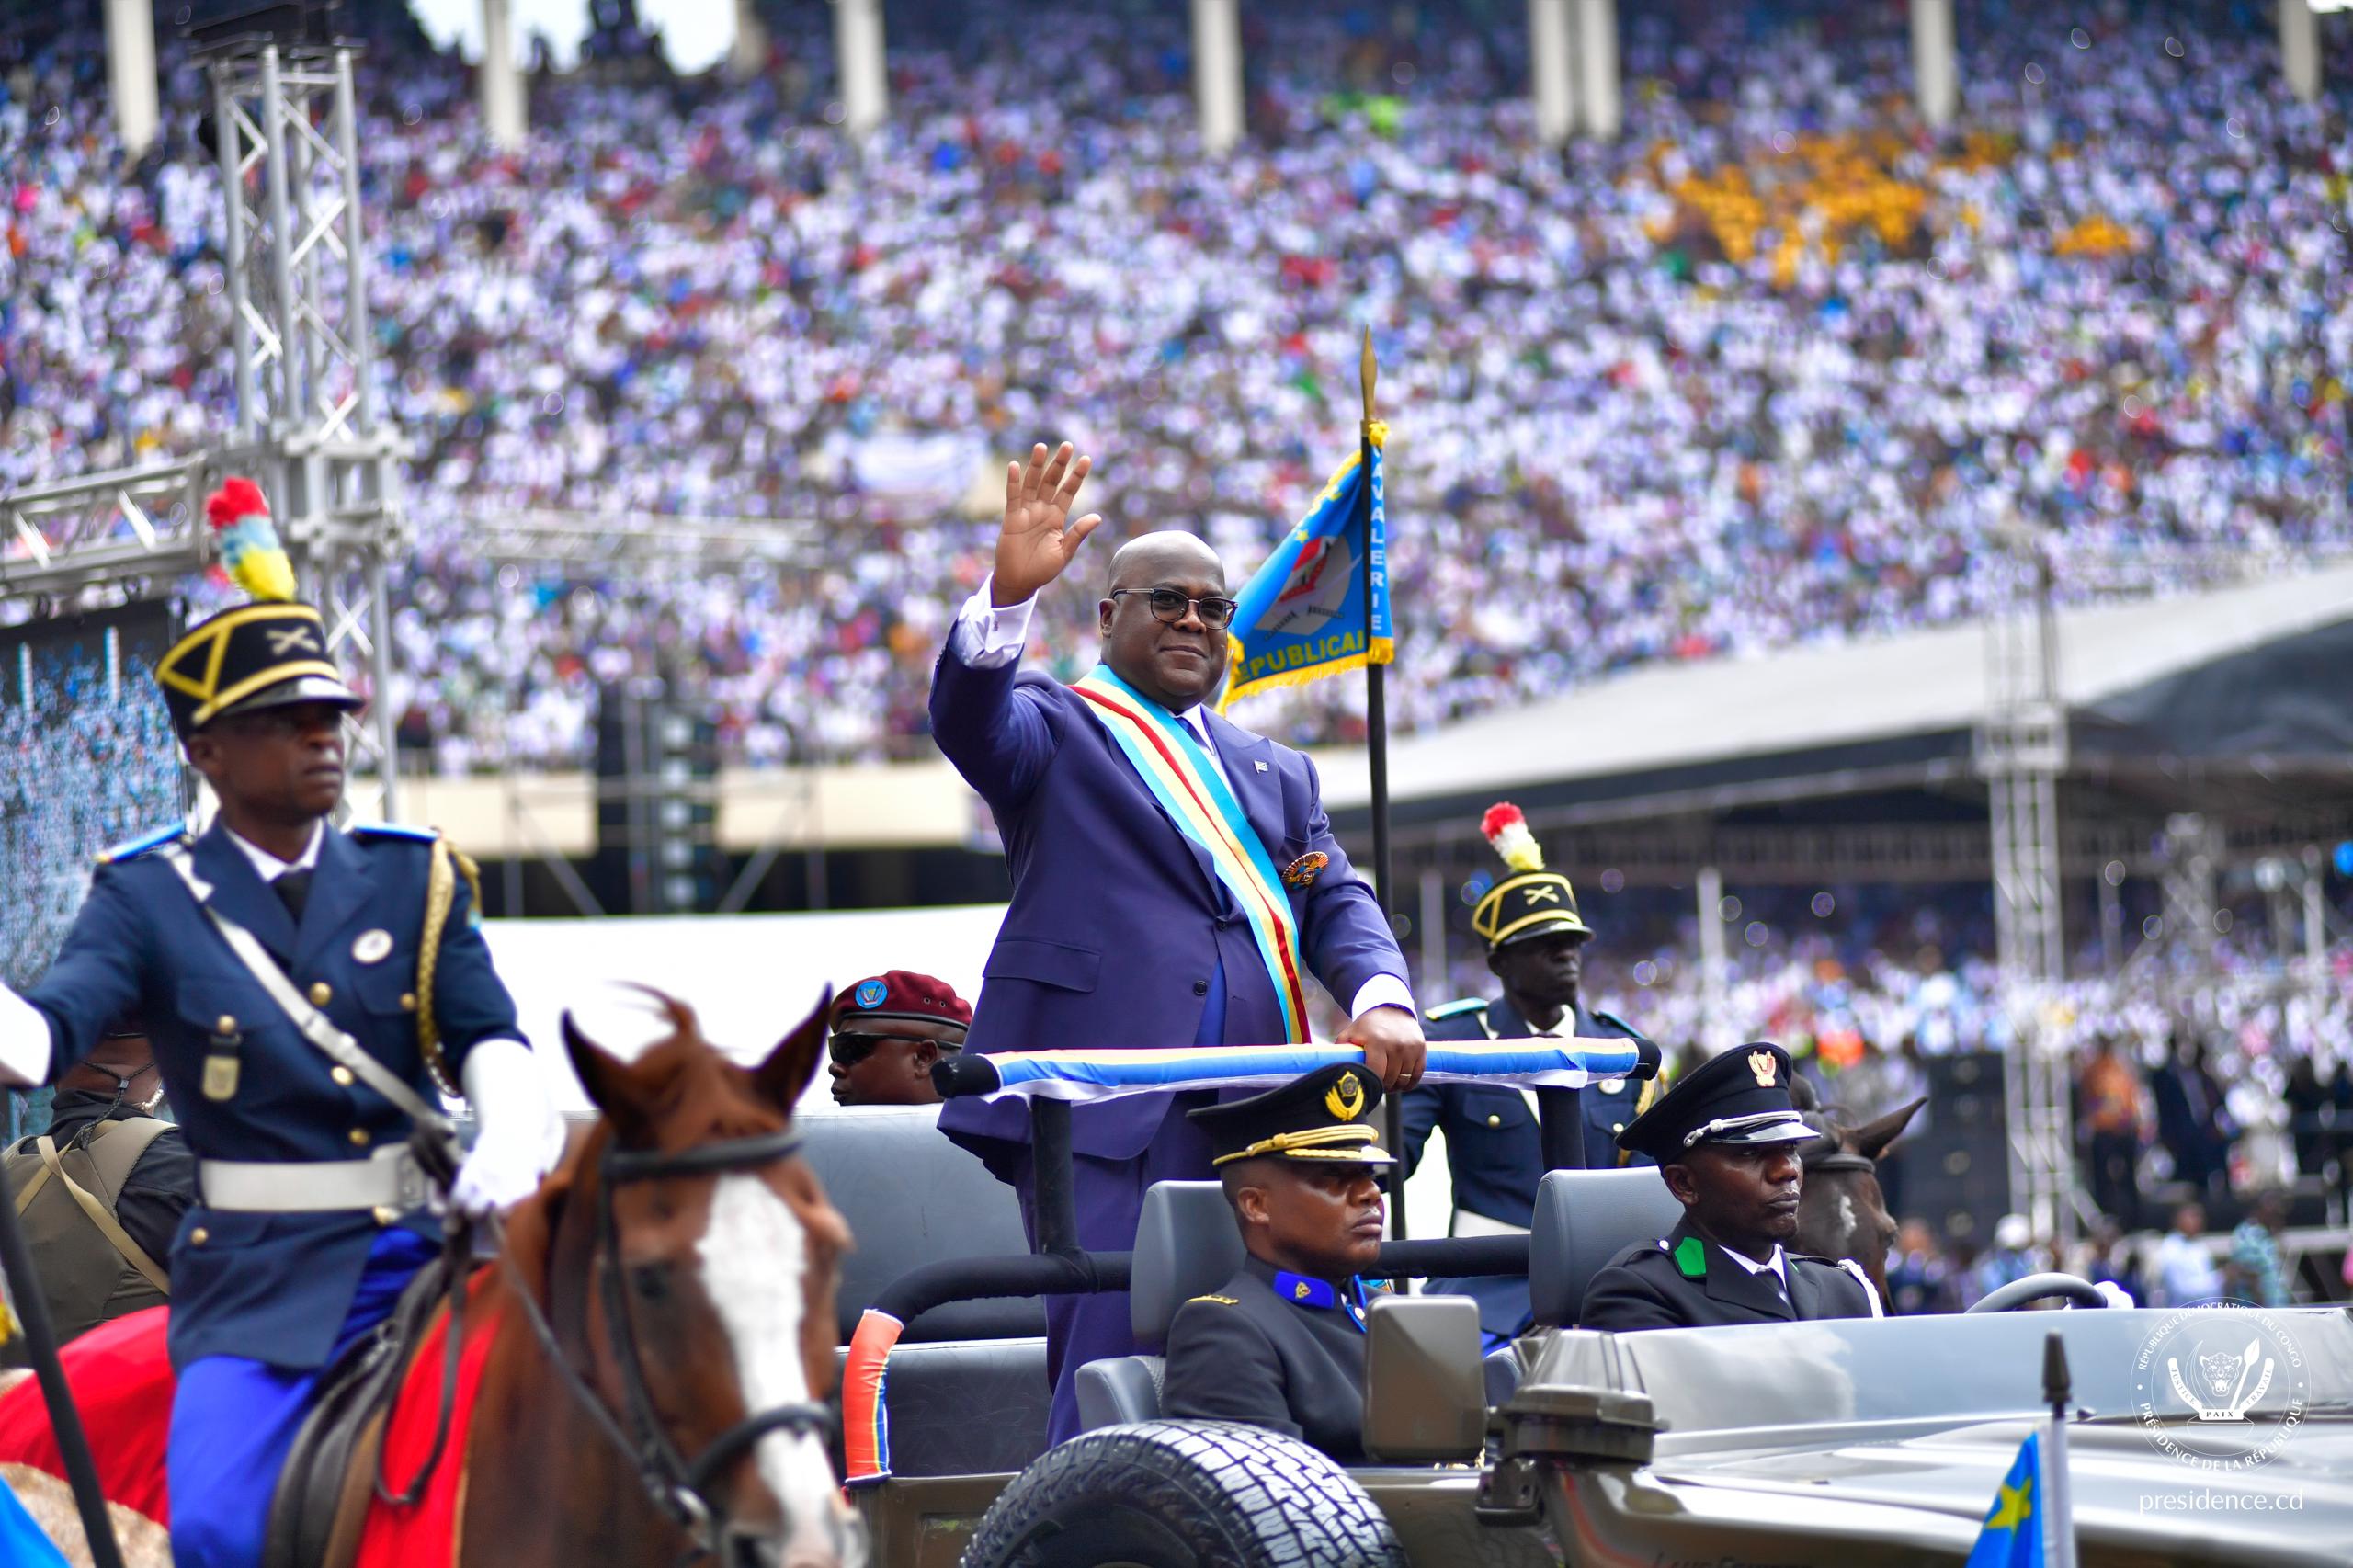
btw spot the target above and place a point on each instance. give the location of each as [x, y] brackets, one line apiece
[1303, 615]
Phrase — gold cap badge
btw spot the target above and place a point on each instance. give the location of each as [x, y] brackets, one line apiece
[1345, 1099]
[1761, 1063]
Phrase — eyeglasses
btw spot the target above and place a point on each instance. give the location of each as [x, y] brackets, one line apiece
[849, 1050]
[1168, 605]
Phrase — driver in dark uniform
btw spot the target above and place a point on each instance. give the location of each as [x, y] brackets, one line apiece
[1726, 1140]
[1281, 1344]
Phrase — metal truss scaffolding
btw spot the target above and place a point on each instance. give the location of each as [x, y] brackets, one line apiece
[307, 419]
[307, 426]
[2021, 749]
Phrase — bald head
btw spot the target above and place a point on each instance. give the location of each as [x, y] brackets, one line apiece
[1148, 560]
[1177, 663]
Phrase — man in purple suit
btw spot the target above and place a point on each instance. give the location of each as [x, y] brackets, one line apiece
[1173, 873]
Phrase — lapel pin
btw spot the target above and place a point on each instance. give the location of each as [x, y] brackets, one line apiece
[1301, 872]
[372, 947]
[1259, 766]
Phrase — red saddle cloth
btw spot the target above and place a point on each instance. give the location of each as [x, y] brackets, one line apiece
[120, 1373]
[121, 1376]
[426, 1534]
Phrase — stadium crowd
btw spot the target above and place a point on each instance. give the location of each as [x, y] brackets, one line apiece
[1777, 365]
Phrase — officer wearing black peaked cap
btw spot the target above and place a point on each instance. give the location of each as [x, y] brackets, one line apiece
[1726, 1140]
[1281, 1344]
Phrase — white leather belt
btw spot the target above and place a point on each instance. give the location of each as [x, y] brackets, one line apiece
[1467, 1223]
[388, 1179]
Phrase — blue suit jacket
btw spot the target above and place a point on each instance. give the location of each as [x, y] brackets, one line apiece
[1117, 920]
[272, 1286]
[1494, 1150]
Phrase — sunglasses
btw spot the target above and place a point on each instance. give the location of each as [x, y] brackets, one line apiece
[1168, 605]
[849, 1050]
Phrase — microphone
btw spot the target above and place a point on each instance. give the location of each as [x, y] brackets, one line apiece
[958, 1073]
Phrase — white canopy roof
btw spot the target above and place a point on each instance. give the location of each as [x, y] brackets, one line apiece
[1916, 683]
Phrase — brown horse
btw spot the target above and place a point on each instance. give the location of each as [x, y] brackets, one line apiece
[663, 1312]
[1841, 1211]
[683, 1262]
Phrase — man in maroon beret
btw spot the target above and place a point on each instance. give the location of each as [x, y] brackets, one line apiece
[887, 1032]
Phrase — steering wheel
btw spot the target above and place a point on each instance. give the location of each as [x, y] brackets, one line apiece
[2038, 1288]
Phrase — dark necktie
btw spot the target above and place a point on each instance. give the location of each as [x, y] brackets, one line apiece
[294, 887]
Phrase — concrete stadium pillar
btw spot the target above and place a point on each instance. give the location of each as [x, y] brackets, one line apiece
[2300, 48]
[1599, 94]
[1552, 74]
[858, 53]
[1432, 980]
[748, 55]
[130, 72]
[1715, 969]
[503, 114]
[1935, 78]
[1217, 72]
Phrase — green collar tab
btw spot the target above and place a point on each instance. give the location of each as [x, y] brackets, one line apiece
[1691, 1258]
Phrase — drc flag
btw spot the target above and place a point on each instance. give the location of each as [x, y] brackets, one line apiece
[1302, 615]
[2012, 1537]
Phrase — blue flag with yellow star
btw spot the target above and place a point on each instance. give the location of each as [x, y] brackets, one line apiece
[2013, 1534]
[1318, 605]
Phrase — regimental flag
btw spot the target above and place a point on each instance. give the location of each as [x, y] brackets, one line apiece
[1303, 616]
[2012, 1537]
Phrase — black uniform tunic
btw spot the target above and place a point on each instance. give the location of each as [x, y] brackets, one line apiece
[1686, 1282]
[1280, 1351]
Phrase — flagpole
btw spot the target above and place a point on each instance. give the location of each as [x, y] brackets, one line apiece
[2060, 1542]
[1376, 742]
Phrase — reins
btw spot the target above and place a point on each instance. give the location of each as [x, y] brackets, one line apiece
[678, 1487]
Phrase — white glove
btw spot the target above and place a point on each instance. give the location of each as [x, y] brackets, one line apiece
[521, 1136]
[2112, 1293]
[25, 1044]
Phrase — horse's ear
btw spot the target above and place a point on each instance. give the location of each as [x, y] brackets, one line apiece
[1872, 1138]
[788, 1069]
[611, 1087]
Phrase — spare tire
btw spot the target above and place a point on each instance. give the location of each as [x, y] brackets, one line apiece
[1184, 1495]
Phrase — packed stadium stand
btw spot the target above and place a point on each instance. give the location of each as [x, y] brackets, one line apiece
[1779, 366]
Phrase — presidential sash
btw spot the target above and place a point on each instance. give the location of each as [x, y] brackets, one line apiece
[1195, 795]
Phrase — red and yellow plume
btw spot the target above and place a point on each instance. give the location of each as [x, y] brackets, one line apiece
[1507, 829]
[250, 552]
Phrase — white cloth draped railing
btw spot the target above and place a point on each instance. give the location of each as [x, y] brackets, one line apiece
[1546, 1061]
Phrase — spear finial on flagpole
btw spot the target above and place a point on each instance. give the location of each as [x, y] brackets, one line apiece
[1368, 372]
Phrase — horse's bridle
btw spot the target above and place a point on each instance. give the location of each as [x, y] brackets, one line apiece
[1838, 1160]
[679, 1487]
[1834, 1157]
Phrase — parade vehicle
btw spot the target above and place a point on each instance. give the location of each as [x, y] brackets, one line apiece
[1851, 1442]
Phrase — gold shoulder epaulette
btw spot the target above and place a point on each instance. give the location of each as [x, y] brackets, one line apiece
[1220, 1301]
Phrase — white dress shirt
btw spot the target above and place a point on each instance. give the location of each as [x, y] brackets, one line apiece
[268, 866]
[989, 637]
[1778, 1266]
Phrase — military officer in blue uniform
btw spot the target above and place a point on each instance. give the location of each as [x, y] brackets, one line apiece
[242, 947]
[1726, 1142]
[1281, 1344]
[1535, 938]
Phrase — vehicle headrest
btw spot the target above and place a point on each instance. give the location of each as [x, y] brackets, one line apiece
[913, 1197]
[1187, 1245]
[1584, 1219]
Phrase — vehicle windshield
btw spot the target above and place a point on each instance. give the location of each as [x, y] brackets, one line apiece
[1757, 1384]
